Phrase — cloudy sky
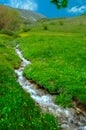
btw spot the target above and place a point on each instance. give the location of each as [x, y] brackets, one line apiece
[75, 7]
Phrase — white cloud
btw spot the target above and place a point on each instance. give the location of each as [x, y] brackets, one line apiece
[76, 9]
[23, 4]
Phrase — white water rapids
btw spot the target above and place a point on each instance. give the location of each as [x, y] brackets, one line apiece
[67, 118]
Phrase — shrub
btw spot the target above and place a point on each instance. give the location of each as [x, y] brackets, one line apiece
[61, 23]
[9, 33]
[26, 29]
[45, 27]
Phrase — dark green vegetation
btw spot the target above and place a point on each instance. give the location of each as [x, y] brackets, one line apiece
[58, 64]
[60, 3]
[17, 110]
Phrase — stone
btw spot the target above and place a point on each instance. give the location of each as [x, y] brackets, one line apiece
[82, 128]
[64, 126]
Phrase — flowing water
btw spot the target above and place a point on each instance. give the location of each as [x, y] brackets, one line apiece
[68, 118]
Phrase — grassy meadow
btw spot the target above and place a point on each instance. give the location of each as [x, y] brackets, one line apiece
[63, 25]
[17, 110]
[58, 64]
[57, 51]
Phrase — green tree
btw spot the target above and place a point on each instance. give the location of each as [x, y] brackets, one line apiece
[60, 3]
[9, 18]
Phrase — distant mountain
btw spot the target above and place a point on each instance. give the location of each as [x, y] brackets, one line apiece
[30, 15]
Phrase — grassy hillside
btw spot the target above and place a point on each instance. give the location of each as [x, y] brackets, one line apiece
[30, 15]
[73, 25]
[32, 21]
[17, 110]
[58, 64]
[57, 50]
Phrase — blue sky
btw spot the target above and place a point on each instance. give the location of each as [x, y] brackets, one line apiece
[75, 7]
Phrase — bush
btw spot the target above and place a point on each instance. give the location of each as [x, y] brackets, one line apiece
[61, 23]
[9, 33]
[45, 27]
[26, 29]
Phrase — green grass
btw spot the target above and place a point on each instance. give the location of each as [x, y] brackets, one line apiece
[17, 110]
[66, 25]
[57, 51]
[58, 64]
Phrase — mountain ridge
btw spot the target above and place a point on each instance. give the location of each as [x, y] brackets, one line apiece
[30, 15]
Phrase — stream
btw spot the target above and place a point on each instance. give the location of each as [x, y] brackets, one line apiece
[68, 119]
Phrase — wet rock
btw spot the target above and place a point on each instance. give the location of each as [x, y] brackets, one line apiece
[40, 92]
[64, 126]
[80, 124]
[70, 120]
[82, 128]
[67, 113]
[72, 111]
[82, 119]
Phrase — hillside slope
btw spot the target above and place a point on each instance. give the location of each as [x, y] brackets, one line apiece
[30, 15]
[70, 25]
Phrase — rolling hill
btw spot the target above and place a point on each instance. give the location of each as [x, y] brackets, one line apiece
[56, 49]
[27, 14]
[73, 25]
[36, 21]
[30, 15]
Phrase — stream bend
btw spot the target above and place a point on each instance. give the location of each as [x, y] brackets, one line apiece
[67, 118]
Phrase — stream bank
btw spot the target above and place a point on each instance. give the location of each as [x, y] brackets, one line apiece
[67, 118]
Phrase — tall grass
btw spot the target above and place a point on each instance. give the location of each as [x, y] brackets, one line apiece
[58, 64]
[17, 110]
